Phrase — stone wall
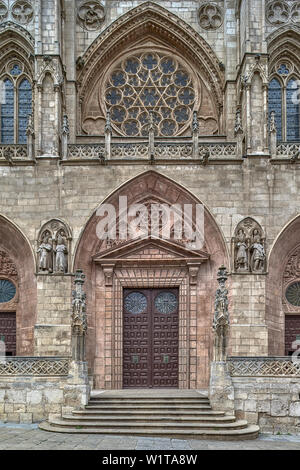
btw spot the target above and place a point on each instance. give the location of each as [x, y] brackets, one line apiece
[271, 402]
[52, 330]
[31, 398]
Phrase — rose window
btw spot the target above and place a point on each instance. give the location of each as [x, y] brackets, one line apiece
[7, 290]
[150, 82]
[293, 294]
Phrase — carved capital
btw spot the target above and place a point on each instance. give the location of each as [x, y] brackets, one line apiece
[108, 270]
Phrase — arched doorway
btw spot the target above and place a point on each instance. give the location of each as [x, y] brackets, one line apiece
[282, 290]
[19, 297]
[150, 266]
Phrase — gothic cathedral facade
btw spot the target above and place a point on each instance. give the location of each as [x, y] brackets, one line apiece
[167, 104]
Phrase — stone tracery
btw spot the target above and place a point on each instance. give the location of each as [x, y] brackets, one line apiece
[150, 82]
[157, 31]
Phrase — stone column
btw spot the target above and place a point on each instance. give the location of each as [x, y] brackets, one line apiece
[221, 391]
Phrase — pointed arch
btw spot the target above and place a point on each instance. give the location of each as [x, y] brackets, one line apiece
[148, 185]
[163, 261]
[284, 244]
[17, 247]
[149, 25]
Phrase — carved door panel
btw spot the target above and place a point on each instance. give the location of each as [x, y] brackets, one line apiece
[150, 338]
[8, 332]
[165, 338]
[292, 332]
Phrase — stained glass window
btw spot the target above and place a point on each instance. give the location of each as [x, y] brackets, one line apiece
[275, 104]
[135, 303]
[293, 294]
[15, 106]
[7, 290]
[150, 82]
[24, 108]
[292, 110]
[7, 113]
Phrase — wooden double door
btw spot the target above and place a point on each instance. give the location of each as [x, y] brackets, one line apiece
[150, 338]
[8, 332]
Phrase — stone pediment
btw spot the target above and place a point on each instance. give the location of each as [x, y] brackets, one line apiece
[150, 250]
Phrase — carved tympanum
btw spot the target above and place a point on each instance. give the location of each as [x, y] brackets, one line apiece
[210, 16]
[248, 247]
[91, 15]
[54, 248]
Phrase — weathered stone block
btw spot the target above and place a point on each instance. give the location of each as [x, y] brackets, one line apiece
[54, 396]
[25, 418]
[295, 409]
[279, 408]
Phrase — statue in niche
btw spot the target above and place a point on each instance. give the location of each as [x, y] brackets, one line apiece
[258, 253]
[241, 260]
[45, 254]
[61, 264]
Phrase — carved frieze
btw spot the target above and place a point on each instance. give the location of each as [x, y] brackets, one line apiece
[248, 247]
[54, 248]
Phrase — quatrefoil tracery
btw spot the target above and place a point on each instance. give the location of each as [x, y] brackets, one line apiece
[150, 82]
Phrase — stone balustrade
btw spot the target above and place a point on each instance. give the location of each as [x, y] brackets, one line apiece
[263, 367]
[34, 366]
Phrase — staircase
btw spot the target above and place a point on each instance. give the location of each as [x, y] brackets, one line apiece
[176, 414]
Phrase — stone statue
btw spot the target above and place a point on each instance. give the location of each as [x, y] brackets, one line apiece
[45, 255]
[241, 260]
[258, 253]
[78, 318]
[61, 263]
[221, 317]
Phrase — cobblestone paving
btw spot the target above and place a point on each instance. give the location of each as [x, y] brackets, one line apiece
[29, 437]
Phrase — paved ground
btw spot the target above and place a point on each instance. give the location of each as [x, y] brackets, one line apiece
[29, 437]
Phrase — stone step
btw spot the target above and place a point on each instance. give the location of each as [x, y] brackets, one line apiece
[146, 425]
[150, 417]
[152, 421]
[166, 407]
[249, 432]
[142, 412]
[149, 401]
[153, 418]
